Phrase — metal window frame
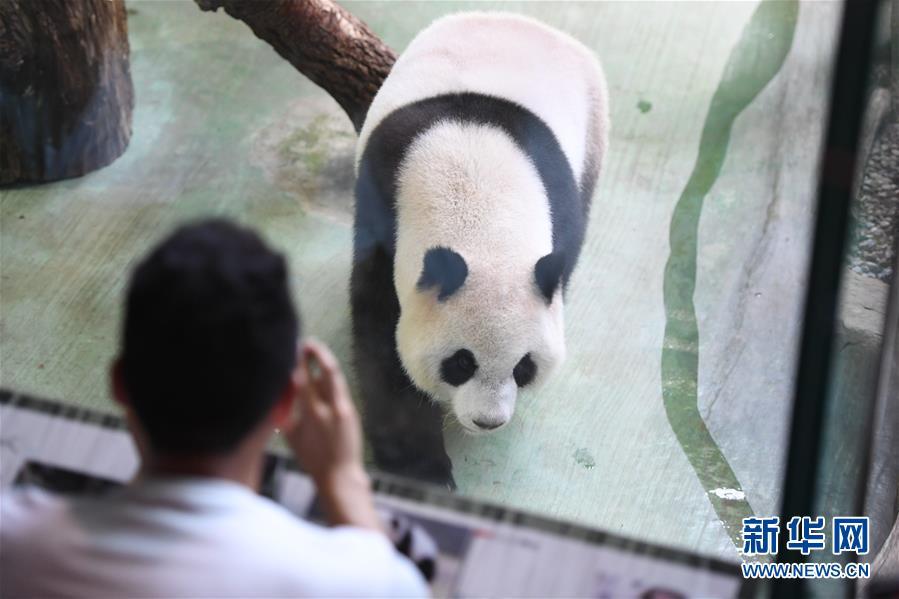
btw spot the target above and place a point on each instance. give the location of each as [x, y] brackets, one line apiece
[837, 173]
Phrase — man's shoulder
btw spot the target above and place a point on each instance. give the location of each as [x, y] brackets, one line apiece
[319, 557]
[377, 568]
[286, 554]
[28, 508]
[33, 524]
[274, 527]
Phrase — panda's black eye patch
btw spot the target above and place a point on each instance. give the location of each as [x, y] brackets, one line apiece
[458, 368]
[525, 371]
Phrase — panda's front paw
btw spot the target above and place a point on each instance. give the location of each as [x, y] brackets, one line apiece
[437, 474]
[434, 470]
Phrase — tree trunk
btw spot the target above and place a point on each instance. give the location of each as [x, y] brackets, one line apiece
[327, 44]
[65, 87]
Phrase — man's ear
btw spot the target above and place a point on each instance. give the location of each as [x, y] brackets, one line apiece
[284, 411]
[444, 270]
[120, 396]
[117, 383]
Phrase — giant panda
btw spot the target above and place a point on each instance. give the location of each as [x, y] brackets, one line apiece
[476, 166]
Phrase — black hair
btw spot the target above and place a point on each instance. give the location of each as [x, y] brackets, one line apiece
[209, 338]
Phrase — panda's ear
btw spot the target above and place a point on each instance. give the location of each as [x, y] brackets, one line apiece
[444, 269]
[548, 274]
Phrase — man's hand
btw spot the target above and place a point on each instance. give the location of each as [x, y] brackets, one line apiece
[327, 439]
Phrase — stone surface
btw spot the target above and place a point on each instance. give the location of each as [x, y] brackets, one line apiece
[886, 563]
[876, 212]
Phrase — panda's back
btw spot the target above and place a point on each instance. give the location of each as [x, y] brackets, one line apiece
[510, 57]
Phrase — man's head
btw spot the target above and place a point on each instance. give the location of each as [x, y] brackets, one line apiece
[209, 340]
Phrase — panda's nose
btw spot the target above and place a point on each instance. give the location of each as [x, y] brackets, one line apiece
[487, 425]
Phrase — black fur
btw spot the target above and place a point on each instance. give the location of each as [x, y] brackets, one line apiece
[445, 269]
[548, 274]
[458, 368]
[403, 426]
[525, 371]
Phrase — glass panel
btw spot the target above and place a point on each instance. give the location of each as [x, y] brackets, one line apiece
[682, 315]
[667, 421]
[858, 462]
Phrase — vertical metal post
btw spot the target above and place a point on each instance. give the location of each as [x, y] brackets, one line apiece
[835, 184]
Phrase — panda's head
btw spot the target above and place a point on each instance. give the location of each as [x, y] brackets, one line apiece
[475, 332]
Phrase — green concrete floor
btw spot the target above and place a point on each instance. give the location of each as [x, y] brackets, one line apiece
[223, 126]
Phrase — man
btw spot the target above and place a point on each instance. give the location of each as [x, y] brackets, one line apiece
[208, 370]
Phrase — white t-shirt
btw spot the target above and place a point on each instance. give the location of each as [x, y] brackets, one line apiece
[187, 538]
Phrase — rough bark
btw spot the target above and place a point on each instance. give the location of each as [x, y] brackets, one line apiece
[65, 87]
[327, 44]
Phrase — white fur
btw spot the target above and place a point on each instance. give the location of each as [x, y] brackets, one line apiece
[508, 56]
[470, 188]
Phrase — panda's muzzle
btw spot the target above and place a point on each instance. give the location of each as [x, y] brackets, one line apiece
[484, 408]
